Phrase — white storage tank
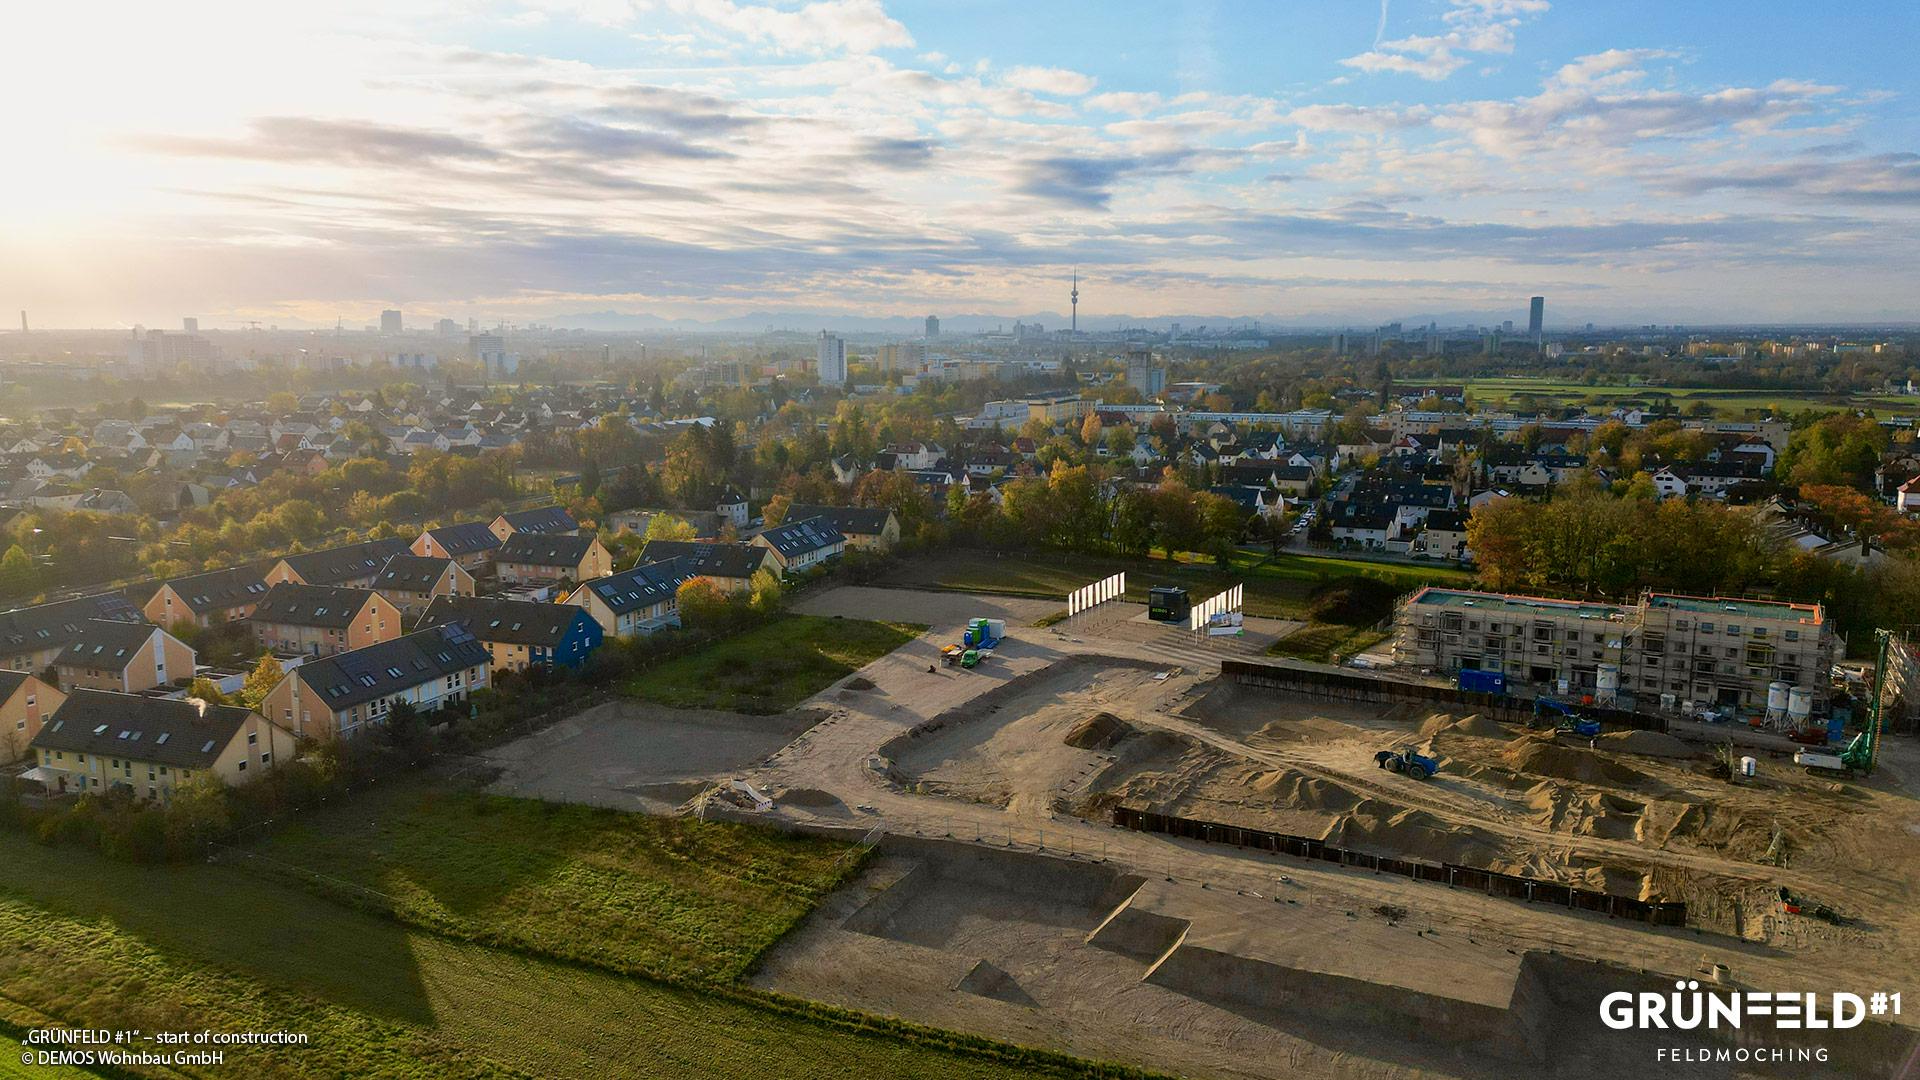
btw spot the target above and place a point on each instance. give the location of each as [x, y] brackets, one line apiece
[1799, 706]
[1606, 682]
[1669, 701]
[1776, 703]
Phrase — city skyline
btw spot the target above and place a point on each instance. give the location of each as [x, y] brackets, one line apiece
[709, 159]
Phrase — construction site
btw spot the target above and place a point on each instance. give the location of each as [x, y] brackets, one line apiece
[1129, 839]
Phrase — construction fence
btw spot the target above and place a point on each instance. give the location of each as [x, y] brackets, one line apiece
[1493, 883]
[1357, 686]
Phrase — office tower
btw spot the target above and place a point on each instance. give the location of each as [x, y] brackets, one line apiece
[933, 327]
[1075, 299]
[831, 362]
[1143, 374]
[1536, 317]
[390, 321]
[190, 324]
[446, 327]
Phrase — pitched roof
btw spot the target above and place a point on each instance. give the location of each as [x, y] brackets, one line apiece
[335, 565]
[800, 537]
[708, 559]
[644, 585]
[49, 625]
[514, 622]
[105, 644]
[850, 520]
[346, 679]
[413, 573]
[465, 538]
[219, 589]
[329, 607]
[10, 681]
[534, 549]
[544, 519]
[169, 731]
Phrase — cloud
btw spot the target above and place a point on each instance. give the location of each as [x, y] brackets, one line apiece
[854, 26]
[1086, 182]
[1474, 27]
[1056, 81]
[351, 142]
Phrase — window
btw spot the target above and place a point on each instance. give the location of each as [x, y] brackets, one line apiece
[1706, 628]
[266, 758]
[253, 738]
[243, 765]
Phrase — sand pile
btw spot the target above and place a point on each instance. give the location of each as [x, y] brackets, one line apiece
[859, 682]
[1293, 788]
[1648, 743]
[1479, 727]
[1098, 732]
[1546, 757]
[813, 798]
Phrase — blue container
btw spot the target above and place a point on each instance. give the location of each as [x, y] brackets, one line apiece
[1484, 682]
[1836, 729]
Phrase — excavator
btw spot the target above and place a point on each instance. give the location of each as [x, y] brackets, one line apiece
[1572, 721]
[1859, 756]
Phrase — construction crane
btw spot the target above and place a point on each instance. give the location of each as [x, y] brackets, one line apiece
[1861, 754]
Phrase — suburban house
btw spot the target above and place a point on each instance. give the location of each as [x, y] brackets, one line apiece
[732, 508]
[867, 528]
[123, 657]
[544, 558]
[731, 566]
[798, 546]
[544, 521]
[637, 601]
[1446, 535]
[204, 599]
[320, 620]
[471, 544]
[25, 701]
[353, 566]
[31, 638]
[411, 582]
[99, 740]
[334, 696]
[521, 634]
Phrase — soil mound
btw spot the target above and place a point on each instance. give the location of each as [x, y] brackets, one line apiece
[1098, 732]
[808, 797]
[859, 682]
[1647, 743]
[1292, 788]
[987, 980]
[1546, 757]
[1479, 727]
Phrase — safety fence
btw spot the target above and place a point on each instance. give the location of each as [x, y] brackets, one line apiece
[1220, 604]
[1109, 588]
[1354, 686]
[1491, 882]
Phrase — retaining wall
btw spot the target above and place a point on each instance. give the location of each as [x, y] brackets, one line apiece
[1356, 686]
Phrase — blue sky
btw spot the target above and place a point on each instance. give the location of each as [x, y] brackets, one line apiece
[1309, 162]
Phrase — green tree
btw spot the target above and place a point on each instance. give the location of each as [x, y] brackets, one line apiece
[668, 527]
[260, 681]
[204, 689]
[17, 572]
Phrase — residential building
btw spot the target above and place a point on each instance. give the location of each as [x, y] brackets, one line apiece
[320, 620]
[338, 696]
[830, 362]
[732, 508]
[123, 657]
[731, 566]
[354, 566]
[1704, 649]
[544, 520]
[1446, 534]
[637, 601]
[411, 582]
[471, 544]
[31, 638]
[204, 599]
[798, 546]
[390, 321]
[866, 528]
[544, 559]
[99, 740]
[25, 702]
[521, 634]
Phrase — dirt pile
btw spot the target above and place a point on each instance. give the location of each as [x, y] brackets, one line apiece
[1479, 727]
[1550, 758]
[1646, 743]
[1098, 732]
[858, 682]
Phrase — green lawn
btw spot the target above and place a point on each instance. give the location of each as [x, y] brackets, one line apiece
[1327, 643]
[671, 897]
[1733, 401]
[11, 1068]
[108, 944]
[771, 668]
[1276, 587]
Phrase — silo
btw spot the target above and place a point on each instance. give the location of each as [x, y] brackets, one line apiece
[1776, 704]
[1606, 683]
[1799, 707]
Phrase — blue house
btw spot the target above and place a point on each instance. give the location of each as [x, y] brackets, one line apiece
[520, 634]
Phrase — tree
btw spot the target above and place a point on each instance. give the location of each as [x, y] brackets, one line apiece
[589, 478]
[204, 689]
[260, 681]
[1867, 518]
[17, 572]
[775, 512]
[703, 604]
[765, 591]
[282, 402]
[668, 527]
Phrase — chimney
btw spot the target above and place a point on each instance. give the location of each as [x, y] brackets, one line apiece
[199, 705]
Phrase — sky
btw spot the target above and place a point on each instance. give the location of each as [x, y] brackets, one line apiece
[1304, 161]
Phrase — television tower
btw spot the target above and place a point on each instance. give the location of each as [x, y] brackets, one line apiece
[1075, 297]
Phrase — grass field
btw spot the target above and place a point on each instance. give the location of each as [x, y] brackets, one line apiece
[1327, 643]
[1276, 587]
[1730, 401]
[771, 668]
[196, 946]
[12, 1069]
[671, 897]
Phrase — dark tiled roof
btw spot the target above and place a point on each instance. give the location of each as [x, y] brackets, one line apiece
[642, 586]
[707, 559]
[220, 589]
[350, 563]
[10, 681]
[346, 679]
[48, 625]
[545, 519]
[850, 520]
[801, 537]
[104, 644]
[513, 622]
[169, 731]
[329, 607]
[465, 538]
[534, 549]
[412, 573]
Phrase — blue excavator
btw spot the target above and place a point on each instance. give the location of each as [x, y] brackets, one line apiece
[1571, 721]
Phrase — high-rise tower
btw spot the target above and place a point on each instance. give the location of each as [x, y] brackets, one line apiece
[1075, 296]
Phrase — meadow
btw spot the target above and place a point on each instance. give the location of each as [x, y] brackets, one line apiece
[773, 667]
